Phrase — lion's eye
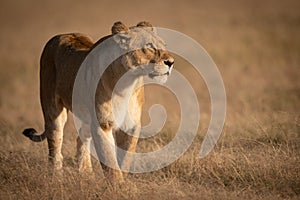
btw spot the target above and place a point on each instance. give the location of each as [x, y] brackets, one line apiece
[150, 46]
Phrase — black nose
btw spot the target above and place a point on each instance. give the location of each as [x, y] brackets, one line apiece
[169, 63]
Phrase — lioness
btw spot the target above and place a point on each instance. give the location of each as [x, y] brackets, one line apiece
[59, 64]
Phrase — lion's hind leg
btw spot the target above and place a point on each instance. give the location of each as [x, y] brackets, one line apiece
[83, 149]
[55, 120]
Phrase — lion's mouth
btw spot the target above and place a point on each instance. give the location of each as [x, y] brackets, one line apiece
[167, 73]
[155, 74]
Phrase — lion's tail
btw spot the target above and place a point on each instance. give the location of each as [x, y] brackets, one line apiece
[33, 135]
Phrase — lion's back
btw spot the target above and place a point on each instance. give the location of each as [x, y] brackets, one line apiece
[76, 41]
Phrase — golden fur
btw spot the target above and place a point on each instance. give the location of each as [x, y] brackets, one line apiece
[60, 62]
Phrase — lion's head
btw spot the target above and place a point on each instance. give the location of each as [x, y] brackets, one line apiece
[146, 52]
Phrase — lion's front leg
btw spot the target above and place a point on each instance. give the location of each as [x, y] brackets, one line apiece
[127, 144]
[106, 150]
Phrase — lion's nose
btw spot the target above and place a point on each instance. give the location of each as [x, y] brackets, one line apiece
[169, 63]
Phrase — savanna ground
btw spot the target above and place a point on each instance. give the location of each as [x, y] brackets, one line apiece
[256, 46]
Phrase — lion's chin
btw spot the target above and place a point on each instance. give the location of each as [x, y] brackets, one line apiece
[160, 78]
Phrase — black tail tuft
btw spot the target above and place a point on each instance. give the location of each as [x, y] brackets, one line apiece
[33, 135]
[29, 132]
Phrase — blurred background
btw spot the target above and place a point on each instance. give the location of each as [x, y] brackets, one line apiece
[255, 45]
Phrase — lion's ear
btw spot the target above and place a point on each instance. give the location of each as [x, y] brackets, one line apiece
[145, 24]
[118, 27]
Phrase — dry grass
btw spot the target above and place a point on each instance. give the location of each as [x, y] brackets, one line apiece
[257, 49]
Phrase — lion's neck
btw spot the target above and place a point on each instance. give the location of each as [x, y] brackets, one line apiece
[121, 82]
[124, 88]
[126, 84]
